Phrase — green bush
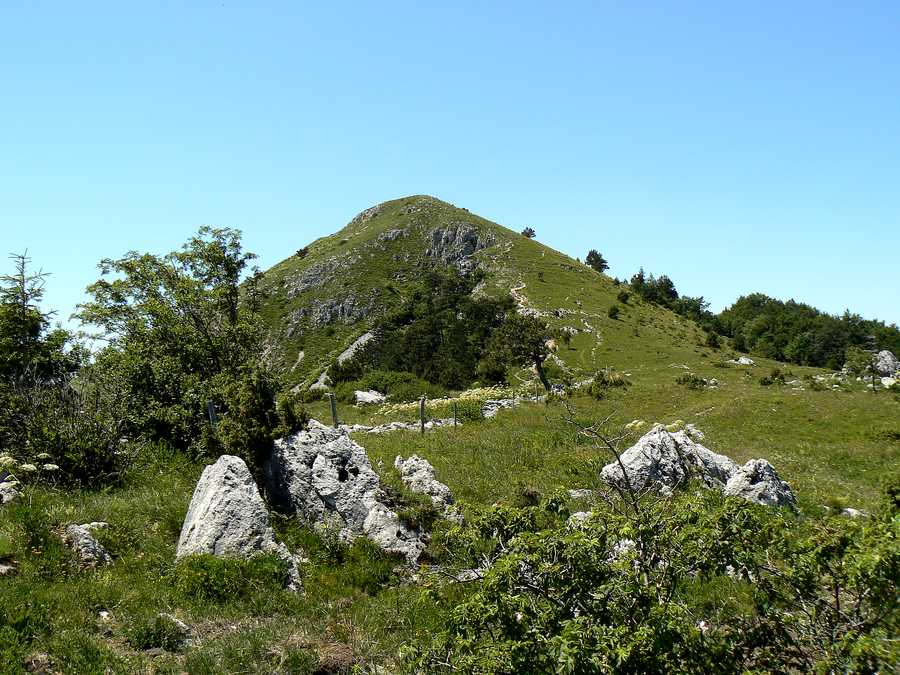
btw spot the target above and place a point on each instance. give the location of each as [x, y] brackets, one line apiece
[607, 379]
[623, 296]
[399, 387]
[712, 340]
[696, 583]
[775, 376]
[691, 381]
[613, 312]
[212, 579]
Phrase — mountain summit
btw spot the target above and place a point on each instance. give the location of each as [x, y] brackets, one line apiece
[321, 299]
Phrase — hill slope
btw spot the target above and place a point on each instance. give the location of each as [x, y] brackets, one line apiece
[320, 302]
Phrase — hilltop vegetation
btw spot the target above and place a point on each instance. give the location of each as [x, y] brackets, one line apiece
[206, 357]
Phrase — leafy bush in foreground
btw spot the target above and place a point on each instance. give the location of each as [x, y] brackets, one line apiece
[694, 584]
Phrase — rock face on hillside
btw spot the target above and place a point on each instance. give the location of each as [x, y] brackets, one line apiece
[419, 476]
[323, 477]
[665, 460]
[355, 348]
[227, 516]
[886, 363]
[455, 245]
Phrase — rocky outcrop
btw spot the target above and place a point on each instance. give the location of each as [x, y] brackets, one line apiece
[370, 397]
[398, 426]
[457, 243]
[355, 348]
[227, 517]
[742, 361]
[665, 460]
[886, 363]
[757, 481]
[322, 384]
[418, 475]
[86, 548]
[324, 478]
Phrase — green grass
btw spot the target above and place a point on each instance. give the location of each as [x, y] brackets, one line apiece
[832, 446]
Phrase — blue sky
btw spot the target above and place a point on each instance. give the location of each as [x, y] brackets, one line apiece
[736, 147]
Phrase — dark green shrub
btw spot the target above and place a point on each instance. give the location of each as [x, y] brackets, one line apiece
[623, 297]
[400, 387]
[691, 381]
[775, 376]
[712, 340]
[607, 379]
[613, 312]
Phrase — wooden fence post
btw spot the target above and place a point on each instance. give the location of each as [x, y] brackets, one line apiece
[422, 415]
[334, 417]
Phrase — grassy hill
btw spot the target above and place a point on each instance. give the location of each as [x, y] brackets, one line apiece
[833, 445]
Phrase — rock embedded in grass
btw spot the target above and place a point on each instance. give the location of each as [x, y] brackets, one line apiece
[664, 460]
[86, 548]
[419, 476]
[326, 479]
[227, 517]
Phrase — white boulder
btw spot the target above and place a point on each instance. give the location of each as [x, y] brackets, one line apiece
[664, 460]
[370, 397]
[757, 481]
[418, 475]
[8, 492]
[323, 477]
[227, 517]
[886, 363]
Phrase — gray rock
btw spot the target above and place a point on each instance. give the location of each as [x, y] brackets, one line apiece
[89, 551]
[370, 397]
[8, 492]
[367, 215]
[886, 363]
[227, 517]
[581, 493]
[665, 460]
[322, 384]
[577, 519]
[757, 481]
[355, 348]
[491, 408]
[457, 243]
[743, 361]
[323, 477]
[418, 475]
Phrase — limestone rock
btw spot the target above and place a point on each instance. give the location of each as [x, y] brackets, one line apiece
[418, 475]
[323, 477]
[227, 516]
[355, 348]
[322, 384]
[370, 397]
[8, 492]
[757, 481]
[665, 460]
[457, 243]
[89, 551]
[743, 361]
[886, 363]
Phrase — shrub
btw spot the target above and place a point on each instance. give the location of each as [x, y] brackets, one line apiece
[606, 379]
[528, 233]
[623, 296]
[691, 381]
[775, 376]
[400, 387]
[712, 340]
[613, 312]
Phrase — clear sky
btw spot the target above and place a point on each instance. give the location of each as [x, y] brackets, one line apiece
[736, 147]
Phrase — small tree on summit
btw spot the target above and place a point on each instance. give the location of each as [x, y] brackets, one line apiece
[529, 233]
[596, 261]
